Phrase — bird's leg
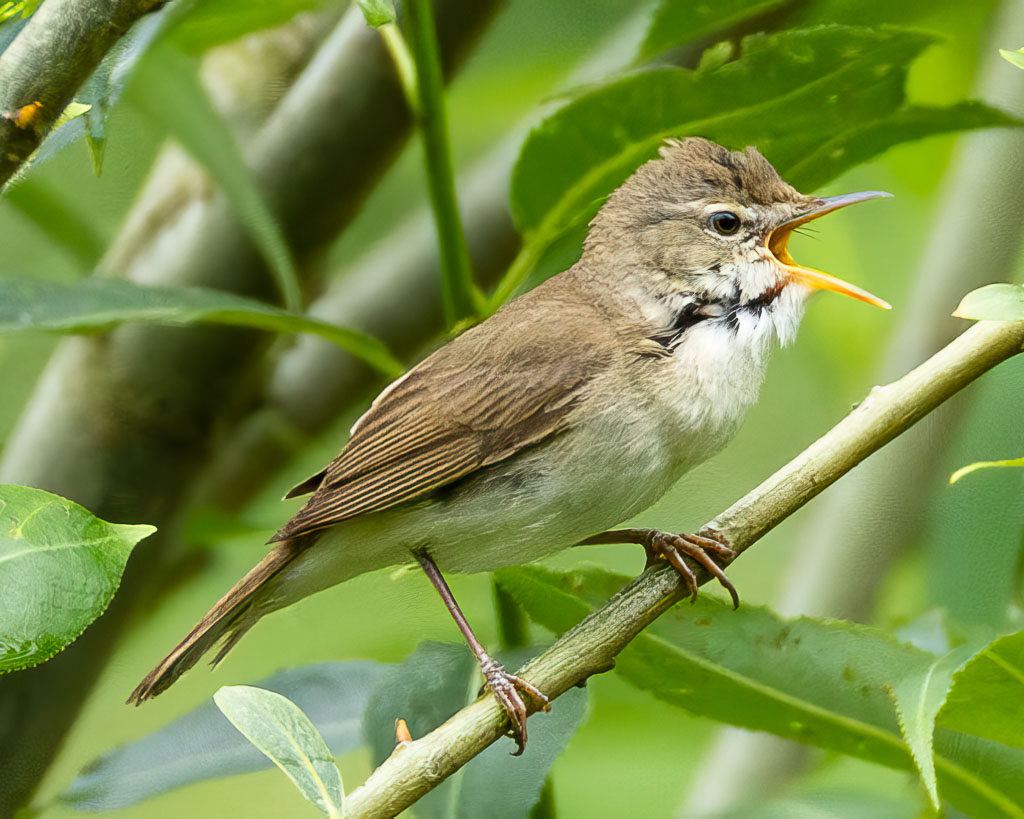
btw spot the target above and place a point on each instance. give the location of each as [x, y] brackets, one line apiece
[665, 546]
[505, 686]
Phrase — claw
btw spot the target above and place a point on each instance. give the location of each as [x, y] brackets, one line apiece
[672, 548]
[506, 688]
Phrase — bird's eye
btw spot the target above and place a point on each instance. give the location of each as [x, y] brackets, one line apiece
[725, 222]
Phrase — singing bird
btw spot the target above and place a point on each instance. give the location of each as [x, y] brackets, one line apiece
[570, 410]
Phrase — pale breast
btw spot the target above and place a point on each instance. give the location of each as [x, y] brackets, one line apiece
[705, 387]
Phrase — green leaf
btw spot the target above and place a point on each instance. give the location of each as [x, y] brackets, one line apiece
[202, 744]
[104, 86]
[682, 22]
[52, 212]
[987, 698]
[967, 470]
[431, 685]
[677, 22]
[378, 12]
[818, 682]
[823, 163]
[15, 8]
[96, 304]
[918, 697]
[833, 93]
[277, 726]
[1013, 57]
[437, 680]
[166, 88]
[59, 568]
[1001, 302]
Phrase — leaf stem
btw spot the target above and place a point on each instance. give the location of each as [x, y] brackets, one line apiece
[460, 296]
[404, 64]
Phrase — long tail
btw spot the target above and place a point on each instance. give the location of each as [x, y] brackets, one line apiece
[227, 620]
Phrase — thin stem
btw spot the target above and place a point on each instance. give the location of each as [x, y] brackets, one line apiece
[590, 647]
[524, 262]
[459, 294]
[404, 65]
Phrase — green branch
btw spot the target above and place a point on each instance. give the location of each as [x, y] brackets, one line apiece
[47, 62]
[591, 647]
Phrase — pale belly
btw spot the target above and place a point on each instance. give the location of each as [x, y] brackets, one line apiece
[537, 503]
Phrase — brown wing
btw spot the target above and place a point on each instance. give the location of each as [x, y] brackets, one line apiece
[493, 391]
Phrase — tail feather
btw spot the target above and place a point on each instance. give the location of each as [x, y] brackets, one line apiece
[227, 620]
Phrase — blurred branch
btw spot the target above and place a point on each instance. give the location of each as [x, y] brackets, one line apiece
[49, 59]
[123, 423]
[590, 648]
[979, 215]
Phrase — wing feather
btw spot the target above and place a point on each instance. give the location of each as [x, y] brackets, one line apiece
[479, 400]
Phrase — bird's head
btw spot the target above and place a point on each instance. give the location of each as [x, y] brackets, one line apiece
[707, 228]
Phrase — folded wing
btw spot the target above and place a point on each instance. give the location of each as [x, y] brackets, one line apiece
[489, 394]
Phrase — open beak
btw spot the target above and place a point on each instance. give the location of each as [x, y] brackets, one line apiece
[778, 239]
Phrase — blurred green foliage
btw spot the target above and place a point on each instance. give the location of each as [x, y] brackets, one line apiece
[817, 102]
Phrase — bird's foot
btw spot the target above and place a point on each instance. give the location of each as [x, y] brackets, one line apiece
[506, 688]
[672, 548]
[665, 546]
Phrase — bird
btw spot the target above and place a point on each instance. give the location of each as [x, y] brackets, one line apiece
[571, 409]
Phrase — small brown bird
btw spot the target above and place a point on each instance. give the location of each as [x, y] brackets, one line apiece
[571, 409]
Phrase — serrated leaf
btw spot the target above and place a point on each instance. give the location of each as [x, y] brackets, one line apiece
[824, 162]
[166, 88]
[202, 744]
[682, 22]
[835, 93]
[677, 22]
[1013, 57]
[59, 568]
[797, 87]
[987, 697]
[95, 304]
[918, 697]
[1000, 302]
[431, 685]
[277, 726]
[819, 682]
[377, 12]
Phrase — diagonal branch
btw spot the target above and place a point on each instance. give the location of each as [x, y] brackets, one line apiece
[47, 62]
[590, 648]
